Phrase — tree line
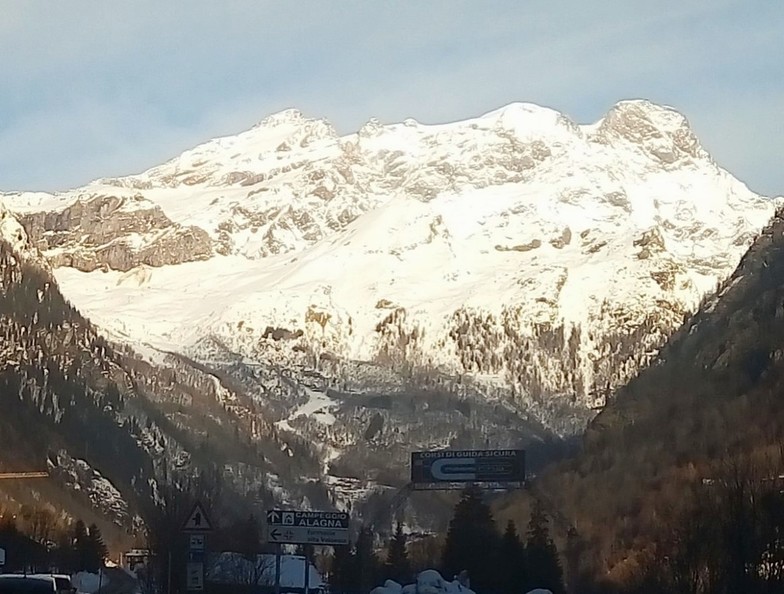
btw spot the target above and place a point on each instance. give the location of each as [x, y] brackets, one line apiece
[78, 548]
[727, 538]
[475, 552]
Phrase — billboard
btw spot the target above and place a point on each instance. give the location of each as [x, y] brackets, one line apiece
[454, 469]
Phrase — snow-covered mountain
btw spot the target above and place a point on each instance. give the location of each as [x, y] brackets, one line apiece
[530, 256]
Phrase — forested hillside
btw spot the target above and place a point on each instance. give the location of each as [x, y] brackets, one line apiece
[691, 450]
[109, 427]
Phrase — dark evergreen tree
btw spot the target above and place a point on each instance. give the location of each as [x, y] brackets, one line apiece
[397, 566]
[81, 546]
[512, 561]
[543, 567]
[343, 571]
[248, 543]
[95, 549]
[248, 535]
[22, 552]
[367, 564]
[472, 542]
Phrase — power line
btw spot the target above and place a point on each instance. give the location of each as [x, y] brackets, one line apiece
[23, 475]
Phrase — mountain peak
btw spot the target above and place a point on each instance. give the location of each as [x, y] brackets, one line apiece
[285, 129]
[525, 118]
[286, 116]
[521, 109]
[661, 131]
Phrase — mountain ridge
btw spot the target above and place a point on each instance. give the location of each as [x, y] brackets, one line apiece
[519, 197]
[355, 288]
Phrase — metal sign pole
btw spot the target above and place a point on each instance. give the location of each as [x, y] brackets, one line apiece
[277, 568]
[307, 568]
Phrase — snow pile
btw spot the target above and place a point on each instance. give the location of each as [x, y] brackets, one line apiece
[431, 581]
[389, 587]
[428, 581]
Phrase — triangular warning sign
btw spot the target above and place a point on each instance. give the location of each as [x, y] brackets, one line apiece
[197, 520]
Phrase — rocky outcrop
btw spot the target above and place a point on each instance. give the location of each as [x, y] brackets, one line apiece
[661, 132]
[117, 232]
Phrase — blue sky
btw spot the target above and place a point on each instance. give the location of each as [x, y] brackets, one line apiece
[91, 89]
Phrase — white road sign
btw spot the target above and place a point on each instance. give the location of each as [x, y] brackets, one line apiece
[307, 527]
[195, 577]
[311, 519]
[304, 535]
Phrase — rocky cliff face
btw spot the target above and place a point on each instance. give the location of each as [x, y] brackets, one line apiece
[105, 231]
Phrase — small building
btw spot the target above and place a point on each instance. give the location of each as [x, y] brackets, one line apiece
[133, 559]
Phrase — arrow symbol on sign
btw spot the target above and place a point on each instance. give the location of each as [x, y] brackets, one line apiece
[273, 517]
[275, 534]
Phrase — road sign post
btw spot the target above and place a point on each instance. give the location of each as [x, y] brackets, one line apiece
[195, 528]
[307, 569]
[454, 469]
[278, 552]
[307, 527]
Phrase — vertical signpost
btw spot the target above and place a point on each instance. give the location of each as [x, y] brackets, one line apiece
[307, 568]
[196, 527]
[278, 551]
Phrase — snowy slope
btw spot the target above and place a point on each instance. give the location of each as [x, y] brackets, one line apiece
[537, 255]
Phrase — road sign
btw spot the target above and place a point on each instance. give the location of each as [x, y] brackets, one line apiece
[310, 519]
[2, 557]
[195, 577]
[197, 520]
[307, 527]
[303, 535]
[454, 469]
[196, 542]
